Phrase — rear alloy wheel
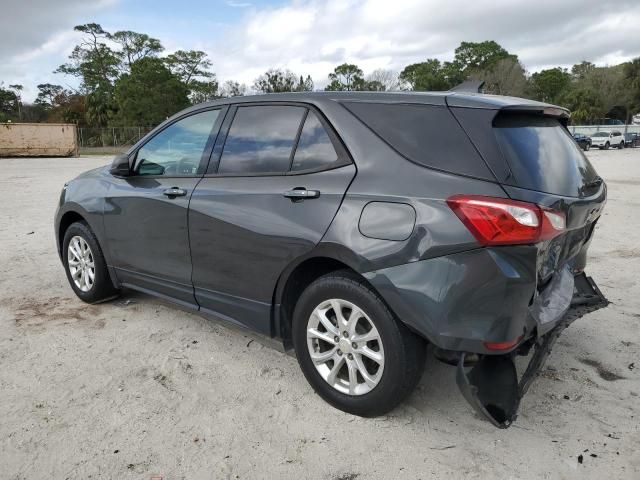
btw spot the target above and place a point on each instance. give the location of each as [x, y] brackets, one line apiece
[351, 349]
[347, 350]
[85, 265]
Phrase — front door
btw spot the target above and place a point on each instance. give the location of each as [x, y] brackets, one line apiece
[278, 183]
[146, 213]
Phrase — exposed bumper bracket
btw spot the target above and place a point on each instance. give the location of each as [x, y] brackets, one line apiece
[491, 386]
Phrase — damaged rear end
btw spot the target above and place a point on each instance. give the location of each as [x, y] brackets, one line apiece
[555, 201]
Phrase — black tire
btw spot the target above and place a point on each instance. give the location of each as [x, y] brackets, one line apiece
[404, 352]
[587, 146]
[606, 146]
[102, 288]
[621, 146]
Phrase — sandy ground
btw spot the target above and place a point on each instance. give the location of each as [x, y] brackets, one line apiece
[136, 388]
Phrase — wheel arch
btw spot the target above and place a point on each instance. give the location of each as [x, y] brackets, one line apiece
[296, 278]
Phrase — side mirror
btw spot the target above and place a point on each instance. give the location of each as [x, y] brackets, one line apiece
[120, 166]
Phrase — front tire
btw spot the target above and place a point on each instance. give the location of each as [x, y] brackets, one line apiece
[607, 145]
[85, 265]
[351, 349]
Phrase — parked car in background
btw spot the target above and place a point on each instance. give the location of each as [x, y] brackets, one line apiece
[607, 139]
[582, 140]
[356, 228]
[632, 139]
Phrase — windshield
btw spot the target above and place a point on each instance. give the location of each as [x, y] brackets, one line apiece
[542, 155]
[600, 134]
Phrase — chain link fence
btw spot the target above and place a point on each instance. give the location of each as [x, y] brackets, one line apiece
[108, 140]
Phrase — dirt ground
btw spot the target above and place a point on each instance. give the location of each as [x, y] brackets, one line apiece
[135, 387]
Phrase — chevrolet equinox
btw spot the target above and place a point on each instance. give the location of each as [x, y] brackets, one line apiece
[358, 228]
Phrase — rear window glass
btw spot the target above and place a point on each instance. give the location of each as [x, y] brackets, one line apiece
[424, 134]
[260, 140]
[314, 149]
[542, 155]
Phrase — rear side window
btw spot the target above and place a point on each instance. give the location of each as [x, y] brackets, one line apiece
[315, 149]
[542, 155]
[260, 140]
[425, 134]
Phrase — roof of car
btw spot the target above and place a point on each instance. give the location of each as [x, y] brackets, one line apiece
[454, 99]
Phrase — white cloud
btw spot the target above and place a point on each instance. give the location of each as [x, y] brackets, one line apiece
[311, 37]
[37, 36]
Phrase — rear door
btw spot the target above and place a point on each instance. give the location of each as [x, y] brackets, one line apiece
[145, 214]
[276, 179]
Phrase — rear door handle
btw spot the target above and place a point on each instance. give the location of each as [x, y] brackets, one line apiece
[299, 194]
[175, 192]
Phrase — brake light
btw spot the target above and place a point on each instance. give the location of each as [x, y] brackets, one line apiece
[500, 221]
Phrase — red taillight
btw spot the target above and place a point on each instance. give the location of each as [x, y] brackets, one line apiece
[500, 221]
[502, 345]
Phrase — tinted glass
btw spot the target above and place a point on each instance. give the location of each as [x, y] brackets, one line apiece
[542, 155]
[315, 149]
[601, 134]
[260, 140]
[177, 150]
[424, 134]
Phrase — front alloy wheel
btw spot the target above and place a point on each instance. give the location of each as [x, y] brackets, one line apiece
[85, 265]
[345, 347]
[81, 264]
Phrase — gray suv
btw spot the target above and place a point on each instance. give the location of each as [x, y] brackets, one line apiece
[358, 228]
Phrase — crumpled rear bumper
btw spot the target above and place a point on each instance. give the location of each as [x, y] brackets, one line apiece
[491, 386]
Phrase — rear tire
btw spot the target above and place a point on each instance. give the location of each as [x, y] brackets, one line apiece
[606, 146]
[85, 265]
[378, 368]
[621, 146]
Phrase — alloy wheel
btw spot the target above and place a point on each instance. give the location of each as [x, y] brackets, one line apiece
[345, 347]
[81, 263]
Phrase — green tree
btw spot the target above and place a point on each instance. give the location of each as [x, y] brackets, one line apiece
[149, 94]
[233, 89]
[581, 70]
[474, 56]
[304, 85]
[425, 76]
[97, 66]
[8, 101]
[93, 61]
[17, 91]
[504, 77]
[135, 46]
[49, 95]
[276, 81]
[189, 65]
[548, 85]
[204, 91]
[346, 77]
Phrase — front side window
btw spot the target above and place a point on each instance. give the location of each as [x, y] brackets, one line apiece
[260, 140]
[314, 149]
[177, 150]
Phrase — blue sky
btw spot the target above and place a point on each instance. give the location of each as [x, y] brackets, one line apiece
[243, 38]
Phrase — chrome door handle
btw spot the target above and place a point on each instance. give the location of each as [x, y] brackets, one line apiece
[175, 192]
[298, 194]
